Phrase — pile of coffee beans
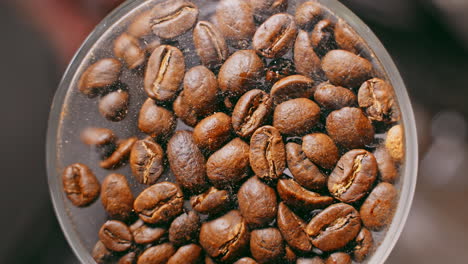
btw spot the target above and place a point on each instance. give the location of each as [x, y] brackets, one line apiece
[293, 147]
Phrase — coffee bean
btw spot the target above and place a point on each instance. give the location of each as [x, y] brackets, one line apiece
[116, 236]
[184, 229]
[322, 37]
[212, 132]
[265, 8]
[333, 97]
[246, 261]
[100, 253]
[141, 25]
[80, 184]
[156, 121]
[184, 112]
[241, 72]
[225, 238]
[257, 203]
[347, 38]
[120, 155]
[267, 153]
[339, 258]
[188, 254]
[251, 112]
[334, 227]
[172, 18]
[210, 44]
[127, 48]
[294, 195]
[321, 150]
[97, 136]
[364, 245]
[293, 229]
[296, 117]
[266, 245]
[151, 43]
[159, 254]
[289, 255]
[376, 97]
[344, 68]
[159, 203]
[164, 73]
[147, 161]
[315, 260]
[306, 60]
[307, 14]
[187, 162]
[116, 197]
[114, 106]
[387, 168]
[378, 209]
[304, 171]
[229, 165]
[235, 21]
[213, 201]
[394, 143]
[353, 176]
[275, 37]
[208, 260]
[358, 131]
[144, 234]
[294, 86]
[99, 76]
[278, 69]
[129, 258]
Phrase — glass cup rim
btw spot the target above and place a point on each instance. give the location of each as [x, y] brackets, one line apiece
[411, 145]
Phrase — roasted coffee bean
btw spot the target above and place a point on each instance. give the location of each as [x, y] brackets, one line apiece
[394, 143]
[378, 209]
[315, 260]
[275, 37]
[293, 229]
[251, 112]
[99, 76]
[344, 68]
[289, 255]
[266, 245]
[334, 227]
[265, 8]
[353, 176]
[164, 73]
[159, 254]
[159, 203]
[80, 184]
[212, 201]
[364, 245]
[97, 136]
[144, 234]
[358, 131]
[246, 260]
[151, 44]
[387, 169]
[129, 258]
[147, 161]
[296, 117]
[184, 229]
[184, 112]
[307, 14]
[120, 154]
[210, 44]
[212, 132]
[267, 153]
[306, 60]
[257, 203]
[114, 106]
[294, 86]
[229, 165]
[172, 18]
[156, 121]
[339, 258]
[208, 260]
[333, 97]
[376, 97]
[116, 197]
[187, 162]
[347, 38]
[304, 171]
[116, 236]
[226, 237]
[241, 72]
[296, 196]
[322, 37]
[127, 48]
[100, 253]
[141, 25]
[278, 69]
[188, 254]
[234, 18]
[321, 150]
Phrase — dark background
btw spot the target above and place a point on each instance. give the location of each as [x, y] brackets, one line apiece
[427, 39]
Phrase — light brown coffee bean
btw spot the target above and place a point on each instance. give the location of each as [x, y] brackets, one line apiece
[376, 97]
[339, 258]
[394, 143]
[379, 207]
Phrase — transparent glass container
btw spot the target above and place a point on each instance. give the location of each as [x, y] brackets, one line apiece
[71, 112]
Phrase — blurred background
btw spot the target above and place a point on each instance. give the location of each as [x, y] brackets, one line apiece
[428, 39]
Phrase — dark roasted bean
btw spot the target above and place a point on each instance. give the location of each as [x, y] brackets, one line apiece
[307, 14]
[294, 86]
[144, 234]
[265, 8]
[147, 161]
[321, 150]
[188, 254]
[306, 60]
[376, 97]
[210, 44]
[80, 184]
[172, 18]
[296, 117]
[99, 76]
[129, 258]
[378, 209]
[120, 155]
[212, 201]
[116, 197]
[289, 255]
[156, 121]
[251, 112]
[322, 37]
[114, 106]
[358, 131]
[213, 132]
[298, 197]
[184, 229]
[127, 48]
[364, 245]
[116, 236]
[347, 38]
[293, 229]
[333, 97]
[159, 254]
[267, 153]
[235, 21]
[304, 171]
[344, 68]
[266, 245]
[100, 253]
[184, 112]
